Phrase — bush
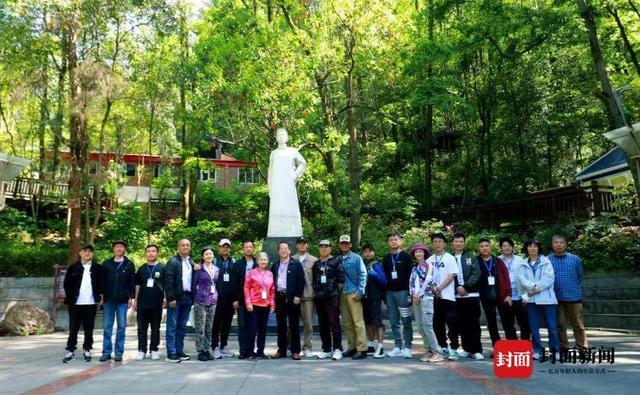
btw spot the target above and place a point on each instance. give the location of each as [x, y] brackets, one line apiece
[128, 223]
[205, 233]
[28, 260]
[15, 223]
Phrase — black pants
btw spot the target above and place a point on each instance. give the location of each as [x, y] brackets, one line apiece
[84, 315]
[328, 310]
[149, 317]
[444, 312]
[490, 307]
[468, 310]
[286, 310]
[245, 341]
[256, 321]
[222, 322]
[516, 312]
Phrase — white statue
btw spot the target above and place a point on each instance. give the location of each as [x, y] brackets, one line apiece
[286, 166]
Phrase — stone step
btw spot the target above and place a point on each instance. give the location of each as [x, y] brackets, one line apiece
[611, 306]
[620, 321]
[629, 293]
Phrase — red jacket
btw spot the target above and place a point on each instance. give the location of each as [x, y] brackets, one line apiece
[255, 282]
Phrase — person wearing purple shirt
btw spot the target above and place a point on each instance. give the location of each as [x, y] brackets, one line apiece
[206, 298]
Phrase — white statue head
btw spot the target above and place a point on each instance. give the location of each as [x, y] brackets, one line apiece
[282, 136]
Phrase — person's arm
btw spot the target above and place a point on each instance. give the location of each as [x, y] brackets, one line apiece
[272, 296]
[579, 270]
[247, 292]
[474, 276]
[452, 268]
[523, 282]
[299, 280]
[236, 290]
[378, 275]
[548, 277]
[505, 282]
[362, 278]
[170, 281]
[340, 276]
[412, 281]
[66, 283]
[131, 272]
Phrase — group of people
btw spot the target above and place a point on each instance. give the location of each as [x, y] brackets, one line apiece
[443, 292]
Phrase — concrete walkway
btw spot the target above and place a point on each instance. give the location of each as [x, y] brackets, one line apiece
[33, 365]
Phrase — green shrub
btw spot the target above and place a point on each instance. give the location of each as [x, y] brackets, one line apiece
[15, 223]
[205, 233]
[29, 260]
[128, 223]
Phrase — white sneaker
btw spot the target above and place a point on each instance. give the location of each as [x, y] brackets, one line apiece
[225, 353]
[462, 353]
[478, 356]
[307, 353]
[337, 355]
[325, 355]
[155, 355]
[453, 355]
[536, 356]
[379, 352]
[217, 354]
[140, 356]
[396, 352]
[407, 353]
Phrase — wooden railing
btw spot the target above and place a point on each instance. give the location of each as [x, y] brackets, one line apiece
[25, 188]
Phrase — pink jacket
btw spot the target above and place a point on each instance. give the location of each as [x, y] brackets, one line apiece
[254, 283]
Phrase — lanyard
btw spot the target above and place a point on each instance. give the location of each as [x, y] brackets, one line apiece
[151, 270]
[394, 260]
[534, 267]
[488, 267]
[438, 262]
[225, 265]
[324, 264]
[119, 265]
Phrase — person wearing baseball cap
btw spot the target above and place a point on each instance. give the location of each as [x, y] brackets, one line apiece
[119, 289]
[306, 305]
[224, 310]
[355, 281]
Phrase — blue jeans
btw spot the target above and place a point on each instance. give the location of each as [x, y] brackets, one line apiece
[177, 319]
[399, 310]
[550, 313]
[119, 311]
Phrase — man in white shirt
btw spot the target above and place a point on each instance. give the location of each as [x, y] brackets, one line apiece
[179, 295]
[444, 273]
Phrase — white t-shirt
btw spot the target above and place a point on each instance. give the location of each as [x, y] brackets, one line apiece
[443, 266]
[186, 275]
[85, 297]
[249, 265]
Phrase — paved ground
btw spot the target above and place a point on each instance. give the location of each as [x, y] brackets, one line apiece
[33, 365]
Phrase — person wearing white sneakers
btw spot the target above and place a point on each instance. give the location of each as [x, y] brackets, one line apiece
[445, 271]
[372, 302]
[421, 293]
[467, 299]
[148, 302]
[306, 305]
[327, 278]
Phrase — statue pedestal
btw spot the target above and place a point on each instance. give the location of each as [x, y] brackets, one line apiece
[270, 246]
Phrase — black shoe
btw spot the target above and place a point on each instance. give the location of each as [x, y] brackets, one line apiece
[371, 350]
[87, 356]
[202, 357]
[68, 358]
[243, 356]
[260, 356]
[360, 355]
[183, 356]
[105, 358]
[349, 353]
[118, 358]
[173, 358]
[209, 356]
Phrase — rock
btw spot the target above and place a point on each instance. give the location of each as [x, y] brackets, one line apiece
[25, 319]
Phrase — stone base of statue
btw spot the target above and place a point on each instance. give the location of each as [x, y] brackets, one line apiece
[270, 246]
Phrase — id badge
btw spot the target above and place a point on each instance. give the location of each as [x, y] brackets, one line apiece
[323, 279]
[491, 280]
[264, 294]
[213, 289]
[225, 277]
[394, 275]
[150, 283]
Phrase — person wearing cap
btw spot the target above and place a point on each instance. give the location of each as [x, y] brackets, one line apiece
[82, 289]
[178, 292]
[224, 310]
[467, 284]
[445, 270]
[306, 305]
[421, 293]
[119, 290]
[239, 271]
[327, 280]
[372, 302]
[397, 267]
[288, 276]
[355, 282]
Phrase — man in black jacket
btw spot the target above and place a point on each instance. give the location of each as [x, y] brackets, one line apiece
[238, 272]
[119, 290]
[178, 281]
[288, 277]
[82, 289]
[224, 309]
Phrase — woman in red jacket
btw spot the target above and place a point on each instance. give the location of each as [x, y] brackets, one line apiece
[259, 295]
[495, 290]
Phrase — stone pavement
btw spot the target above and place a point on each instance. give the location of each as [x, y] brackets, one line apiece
[34, 365]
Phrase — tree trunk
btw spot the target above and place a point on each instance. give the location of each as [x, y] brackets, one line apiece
[42, 129]
[328, 120]
[355, 175]
[59, 117]
[623, 33]
[616, 119]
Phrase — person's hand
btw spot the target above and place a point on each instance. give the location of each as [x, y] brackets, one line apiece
[536, 290]
[416, 299]
[130, 303]
[249, 307]
[437, 291]
[508, 300]
[296, 300]
[101, 302]
[357, 297]
[272, 309]
[134, 307]
[164, 304]
[197, 266]
[531, 293]
[236, 304]
[172, 304]
[461, 290]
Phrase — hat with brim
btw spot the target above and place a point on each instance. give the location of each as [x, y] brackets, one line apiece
[324, 242]
[422, 247]
[224, 241]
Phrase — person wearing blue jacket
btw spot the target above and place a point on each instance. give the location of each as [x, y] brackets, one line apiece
[372, 302]
[355, 282]
[535, 284]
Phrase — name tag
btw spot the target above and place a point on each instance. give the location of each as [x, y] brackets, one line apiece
[323, 279]
[394, 275]
[150, 283]
[213, 289]
[264, 294]
[225, 277]
[491, 280]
